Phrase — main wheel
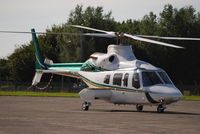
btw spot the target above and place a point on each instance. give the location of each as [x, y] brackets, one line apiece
[85, 106]
[139, 107]
[160, 108]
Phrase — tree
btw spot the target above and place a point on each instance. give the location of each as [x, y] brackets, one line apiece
[181, 23]
[21, 64]
[92, 17]
[4, 70]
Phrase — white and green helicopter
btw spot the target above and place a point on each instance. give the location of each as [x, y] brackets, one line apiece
[116, 76]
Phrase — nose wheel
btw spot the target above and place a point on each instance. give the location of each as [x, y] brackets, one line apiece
[85, 106]
[161, 108]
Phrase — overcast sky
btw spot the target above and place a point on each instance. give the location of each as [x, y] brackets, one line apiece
[22, 15]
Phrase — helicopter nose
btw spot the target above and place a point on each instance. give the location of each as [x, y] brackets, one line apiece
[173, 97]
[168, 94]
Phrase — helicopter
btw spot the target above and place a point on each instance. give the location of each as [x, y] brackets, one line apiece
[117, 76]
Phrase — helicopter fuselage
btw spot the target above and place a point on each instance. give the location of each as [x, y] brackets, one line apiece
[130, 87]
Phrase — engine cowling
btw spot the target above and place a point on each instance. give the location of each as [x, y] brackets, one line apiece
[107, 61]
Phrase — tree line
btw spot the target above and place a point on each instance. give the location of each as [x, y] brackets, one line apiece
[181, 65]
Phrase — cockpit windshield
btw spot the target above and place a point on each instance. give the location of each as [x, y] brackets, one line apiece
[153, 78]
[165, 78]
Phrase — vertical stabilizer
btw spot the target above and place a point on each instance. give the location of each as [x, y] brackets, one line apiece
[39, 57]
[37, 78]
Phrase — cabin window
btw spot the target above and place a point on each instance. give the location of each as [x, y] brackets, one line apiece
[117, 79]
[150, 78]
[126, 79]
[107, 79]
[136, 80]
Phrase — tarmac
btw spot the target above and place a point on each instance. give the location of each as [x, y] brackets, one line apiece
[59, 115]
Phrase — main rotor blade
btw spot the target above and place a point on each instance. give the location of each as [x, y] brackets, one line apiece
[151, 41]
[53, 33]
[93, 29]
[99, 35]
[168, 38]
[21, 32]
[17, 32]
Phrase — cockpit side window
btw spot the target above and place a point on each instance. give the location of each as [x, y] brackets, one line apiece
[126, 79]
[150, 78]
[136, 80]
[107, 79]
[117, 79]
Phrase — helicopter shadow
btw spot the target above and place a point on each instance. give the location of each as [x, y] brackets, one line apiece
[150, 112]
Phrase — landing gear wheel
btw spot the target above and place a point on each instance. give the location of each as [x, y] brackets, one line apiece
[160, 108]
[85, 106]
[139, 107]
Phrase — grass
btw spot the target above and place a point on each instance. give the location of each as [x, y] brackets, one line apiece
[30, 93]
[48, 94]
[192, 98]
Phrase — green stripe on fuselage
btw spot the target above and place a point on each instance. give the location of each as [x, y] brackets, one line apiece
[74, 67]
[67, 66]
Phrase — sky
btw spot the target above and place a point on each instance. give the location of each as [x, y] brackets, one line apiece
[22, 15]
